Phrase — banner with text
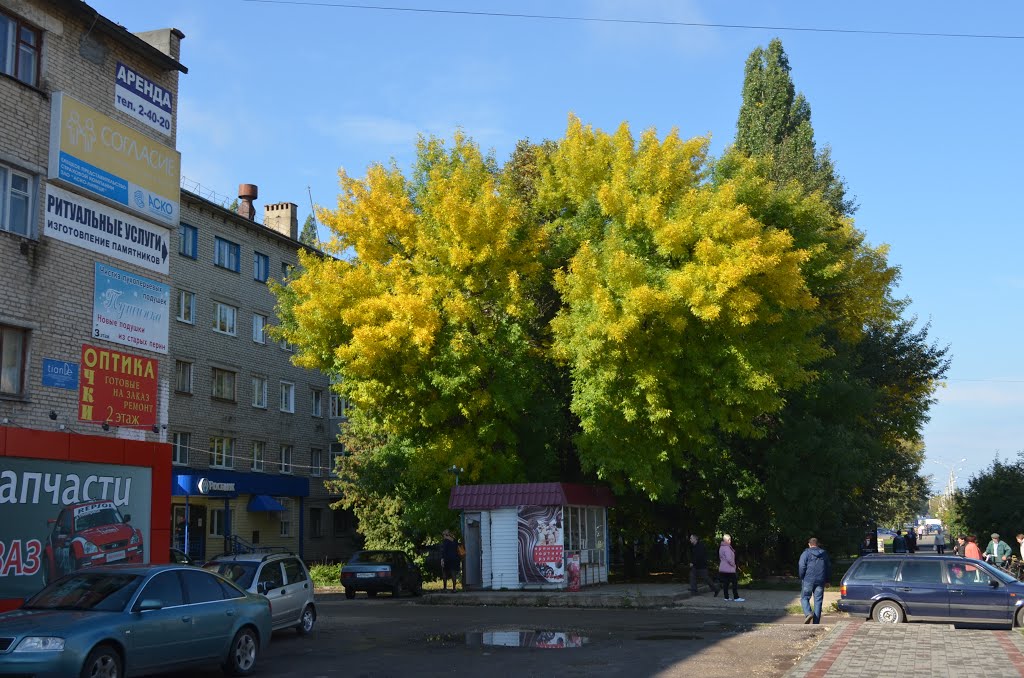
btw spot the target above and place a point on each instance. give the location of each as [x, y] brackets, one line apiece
[63, 516]
[141, 98]
[105, 230]
[117, 388]
[130, 310]
[95, 152]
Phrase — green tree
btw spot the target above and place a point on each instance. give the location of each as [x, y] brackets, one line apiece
[775, 121]
[988, 503]
[309, 235]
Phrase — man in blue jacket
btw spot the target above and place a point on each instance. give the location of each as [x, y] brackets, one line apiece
[815, 572]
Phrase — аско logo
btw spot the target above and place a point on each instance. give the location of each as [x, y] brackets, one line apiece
[140, 199]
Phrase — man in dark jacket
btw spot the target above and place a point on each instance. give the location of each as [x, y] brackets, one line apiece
[699, 566]
[815, 572]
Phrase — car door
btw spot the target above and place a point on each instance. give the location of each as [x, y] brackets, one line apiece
[161, 638]
[922, 588]
[270, 582]
[976, 595]
[296, 588]
[213, 616]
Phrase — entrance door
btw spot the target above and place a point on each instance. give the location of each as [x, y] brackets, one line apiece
[196, 547]
[474, 578]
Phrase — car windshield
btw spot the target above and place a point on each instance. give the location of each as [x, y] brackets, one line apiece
[104, 516]
[99, 591]
[375, 557]
[1001, 575]
[238, 571]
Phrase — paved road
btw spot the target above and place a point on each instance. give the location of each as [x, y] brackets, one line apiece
[384, 637]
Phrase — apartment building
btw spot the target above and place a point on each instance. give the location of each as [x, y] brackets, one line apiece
[89, 176]
[253, 436]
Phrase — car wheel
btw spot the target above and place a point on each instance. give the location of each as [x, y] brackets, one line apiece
[103, 662]
[306, 622]
[242, 653]
[888, 612]
[371, 594]
[349, 593]
[1019, 617]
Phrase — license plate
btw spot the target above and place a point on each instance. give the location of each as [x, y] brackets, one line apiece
[364, 575]
[115, 555]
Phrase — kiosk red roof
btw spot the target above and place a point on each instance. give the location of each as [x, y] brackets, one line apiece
[528, 494]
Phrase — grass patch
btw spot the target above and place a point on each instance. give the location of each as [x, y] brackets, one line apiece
[326, 574]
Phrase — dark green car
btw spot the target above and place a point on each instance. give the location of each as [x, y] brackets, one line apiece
[122, 620]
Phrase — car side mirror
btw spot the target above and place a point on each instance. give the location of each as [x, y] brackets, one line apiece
[993, 583]
[127, 517]
[150, 604]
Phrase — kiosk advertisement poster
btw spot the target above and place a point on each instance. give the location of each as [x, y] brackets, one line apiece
[63, 516]
[541, 545]
[129, 309]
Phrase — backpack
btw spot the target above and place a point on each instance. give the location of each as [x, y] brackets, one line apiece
[462, 551]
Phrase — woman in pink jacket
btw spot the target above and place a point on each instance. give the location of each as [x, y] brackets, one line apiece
[727, 568]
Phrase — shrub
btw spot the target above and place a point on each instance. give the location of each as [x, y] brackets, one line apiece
[326, 574]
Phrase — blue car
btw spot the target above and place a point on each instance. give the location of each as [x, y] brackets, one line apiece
[903, 587]
[122, 620]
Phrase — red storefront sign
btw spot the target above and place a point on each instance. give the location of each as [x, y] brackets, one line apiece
[117, 388]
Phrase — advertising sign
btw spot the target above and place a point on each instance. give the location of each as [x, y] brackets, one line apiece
[95, 152]
[60, 374]
[117, 388]
[104, 230]
[141, 98]
[130, 310]
[61, 516]
[541, 545]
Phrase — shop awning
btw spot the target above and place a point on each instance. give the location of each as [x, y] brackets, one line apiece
[264, 502]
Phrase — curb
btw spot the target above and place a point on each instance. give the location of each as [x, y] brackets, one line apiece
[569, 600]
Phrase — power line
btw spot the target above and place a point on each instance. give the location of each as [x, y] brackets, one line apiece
[642, 22]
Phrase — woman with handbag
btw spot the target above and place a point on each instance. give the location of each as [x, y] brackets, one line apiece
[727, 569]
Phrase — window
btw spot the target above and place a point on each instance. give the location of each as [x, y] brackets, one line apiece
[183, 376]
[187, 307]
[286, 526]
[259, 328]
[342, 522]
[317, 400]
[180, 442]
[922, 571]
[270, 577]
[13, 350]
[166, 588]
[876, 570]
[316, 522]
[286, 346]
[222, 451]
[294, 572]
[223, 384]
[259, 451]
[226, 254]
[337, 450]
[188, 241]
[337, 406]
[19, 49]
[259, 392]
[16, 189]
[260, 267]
[224, 317]
[286, 458]
[217, 522]
[316, 462]
[201, 586]
[286, 270]
[287, 396]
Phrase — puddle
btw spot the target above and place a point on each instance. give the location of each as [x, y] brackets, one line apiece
[549, 640]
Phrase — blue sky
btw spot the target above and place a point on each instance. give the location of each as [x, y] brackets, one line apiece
[925, 130]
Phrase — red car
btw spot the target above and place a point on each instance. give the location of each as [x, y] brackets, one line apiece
[87, 534]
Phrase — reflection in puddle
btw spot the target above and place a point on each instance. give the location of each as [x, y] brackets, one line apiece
[542, 639]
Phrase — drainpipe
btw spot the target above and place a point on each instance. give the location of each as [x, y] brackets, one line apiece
[302, 523]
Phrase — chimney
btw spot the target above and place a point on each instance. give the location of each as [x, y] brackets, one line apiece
[282, 217]
[246, 194]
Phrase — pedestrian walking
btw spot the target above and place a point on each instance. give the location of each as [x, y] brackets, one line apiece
[972, 550]
[997, 552]
[815, 570]
[899, 543]
[940, 540]
[959, 546]
[699, 565]
[449, 561]
[727, 569]
[911, 541]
